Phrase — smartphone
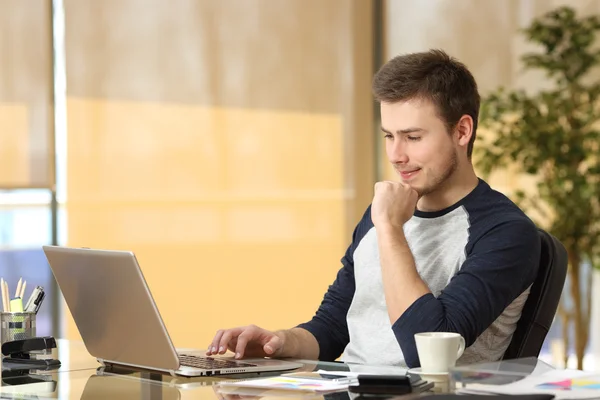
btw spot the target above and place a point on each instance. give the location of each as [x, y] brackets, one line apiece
[382, 384]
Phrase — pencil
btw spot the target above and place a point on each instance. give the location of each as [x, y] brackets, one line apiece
[18, 291]
[3, 296]
[7, 294]
[23, 289]
[6, 297]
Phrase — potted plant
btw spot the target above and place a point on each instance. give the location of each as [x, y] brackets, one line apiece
[553, 135]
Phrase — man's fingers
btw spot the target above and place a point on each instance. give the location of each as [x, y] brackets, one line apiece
[214, 345]
[242, 342]
[232, 345]
[248, 340]
[225, 339]
[273, 345]
[221, 339]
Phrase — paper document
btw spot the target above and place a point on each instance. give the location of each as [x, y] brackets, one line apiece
[377, 369]
[341, 374]
[290, 383]
[354, 374]
[563, 384]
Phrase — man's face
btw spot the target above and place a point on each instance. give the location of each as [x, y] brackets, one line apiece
[418, 145]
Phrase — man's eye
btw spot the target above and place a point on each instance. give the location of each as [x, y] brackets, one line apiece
[388, 136]
[413, 138]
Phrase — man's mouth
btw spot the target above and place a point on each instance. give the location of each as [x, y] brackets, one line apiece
[409, 174]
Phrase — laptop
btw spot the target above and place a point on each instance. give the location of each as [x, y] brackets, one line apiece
[119, 322]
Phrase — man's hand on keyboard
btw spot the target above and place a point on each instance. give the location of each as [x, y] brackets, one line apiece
[247, 341]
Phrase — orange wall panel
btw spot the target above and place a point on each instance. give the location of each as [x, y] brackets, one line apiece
[236, 216]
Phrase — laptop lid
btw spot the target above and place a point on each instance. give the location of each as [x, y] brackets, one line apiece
[117, 317]
[112, 306]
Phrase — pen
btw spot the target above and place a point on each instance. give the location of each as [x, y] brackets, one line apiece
[38, 304]
[30, 305]
[35, 300]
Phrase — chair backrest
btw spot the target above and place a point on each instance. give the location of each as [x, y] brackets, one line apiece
[540, 307]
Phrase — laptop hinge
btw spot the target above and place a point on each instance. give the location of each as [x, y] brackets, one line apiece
[105, 363]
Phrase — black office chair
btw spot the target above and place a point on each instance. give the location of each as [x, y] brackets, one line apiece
[541, 305]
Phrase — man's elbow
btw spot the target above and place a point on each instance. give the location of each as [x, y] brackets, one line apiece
[411, 357]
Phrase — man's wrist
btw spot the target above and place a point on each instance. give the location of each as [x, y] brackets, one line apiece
[298, 343]
[392, 237]
[391, 231]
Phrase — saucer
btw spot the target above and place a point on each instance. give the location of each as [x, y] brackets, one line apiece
[430, 376]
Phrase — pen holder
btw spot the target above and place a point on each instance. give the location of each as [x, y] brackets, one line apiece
[16, 326]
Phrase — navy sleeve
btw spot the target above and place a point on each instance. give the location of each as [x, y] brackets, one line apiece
[329, 325]
[503, 263]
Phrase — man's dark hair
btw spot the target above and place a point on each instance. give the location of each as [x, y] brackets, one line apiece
[434, 76]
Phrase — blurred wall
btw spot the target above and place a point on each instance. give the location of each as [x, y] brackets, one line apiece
[227, 143]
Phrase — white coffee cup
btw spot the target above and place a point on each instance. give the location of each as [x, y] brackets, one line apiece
[438, 351]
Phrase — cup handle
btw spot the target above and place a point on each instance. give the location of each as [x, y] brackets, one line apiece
[461, 347]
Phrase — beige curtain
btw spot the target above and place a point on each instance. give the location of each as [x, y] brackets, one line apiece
[227, 143]
[26, 96]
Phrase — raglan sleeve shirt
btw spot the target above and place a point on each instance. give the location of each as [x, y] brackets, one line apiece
[497, 269]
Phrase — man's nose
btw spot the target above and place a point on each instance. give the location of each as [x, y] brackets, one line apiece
[398, 153]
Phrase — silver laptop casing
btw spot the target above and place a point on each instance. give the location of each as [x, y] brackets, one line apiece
[117, 317]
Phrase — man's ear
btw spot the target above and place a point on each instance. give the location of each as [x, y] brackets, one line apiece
[464, 131]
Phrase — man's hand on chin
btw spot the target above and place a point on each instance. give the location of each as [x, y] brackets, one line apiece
[393, 205]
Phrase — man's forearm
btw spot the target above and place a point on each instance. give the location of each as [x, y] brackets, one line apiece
[401, 281]
[299, 343]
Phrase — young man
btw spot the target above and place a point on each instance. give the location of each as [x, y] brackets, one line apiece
[437, 250]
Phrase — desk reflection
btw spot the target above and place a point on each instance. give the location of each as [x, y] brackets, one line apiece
[18, 383]
[100, 387]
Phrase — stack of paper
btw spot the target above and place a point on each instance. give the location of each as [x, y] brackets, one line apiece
[563, 384]
[289, 383]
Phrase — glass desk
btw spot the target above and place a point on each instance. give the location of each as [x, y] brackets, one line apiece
[496, 373]
[80, 376]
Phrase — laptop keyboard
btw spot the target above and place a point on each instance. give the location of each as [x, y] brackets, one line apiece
[189, 360]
